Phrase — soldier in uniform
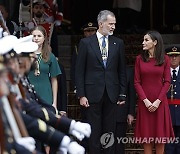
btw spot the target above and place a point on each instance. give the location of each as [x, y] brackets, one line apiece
[173, 51]
[12, 140]
[8, 143]
[48, 14]
[36, 127]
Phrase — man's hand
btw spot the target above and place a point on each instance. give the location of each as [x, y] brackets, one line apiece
[130, 119]
[84, 101]
[63, 113]
[121, 102]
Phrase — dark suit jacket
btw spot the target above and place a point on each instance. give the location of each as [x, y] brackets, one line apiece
[92, 78]
[129, 107]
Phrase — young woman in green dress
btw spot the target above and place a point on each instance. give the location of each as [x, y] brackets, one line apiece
[44, 76]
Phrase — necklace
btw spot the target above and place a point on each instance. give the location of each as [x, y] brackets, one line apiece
[104, 52]
[37, 64]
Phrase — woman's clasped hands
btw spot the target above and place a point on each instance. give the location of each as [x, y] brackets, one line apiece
[152, 107]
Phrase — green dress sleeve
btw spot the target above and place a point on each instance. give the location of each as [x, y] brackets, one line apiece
[54, 69]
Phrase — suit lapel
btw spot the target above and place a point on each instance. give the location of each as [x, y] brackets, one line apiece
[111, 50]
[96, 48]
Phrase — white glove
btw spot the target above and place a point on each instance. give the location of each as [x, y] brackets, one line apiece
[1, 32]
[27, 142]
[77, 134]
[5, 33]
[75, 148]
[62, 150]
[69, 147]
[81, 128]
[57, 22]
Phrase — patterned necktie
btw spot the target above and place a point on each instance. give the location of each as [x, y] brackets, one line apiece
[104, 51]
[174, 75]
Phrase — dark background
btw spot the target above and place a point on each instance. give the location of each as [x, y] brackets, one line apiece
[164, 15]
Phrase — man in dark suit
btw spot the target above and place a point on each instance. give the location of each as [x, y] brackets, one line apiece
[101, 81]
[125, 113]
[88, 29]
[173, 95]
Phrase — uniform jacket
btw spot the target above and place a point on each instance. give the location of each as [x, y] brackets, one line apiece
[175, 109]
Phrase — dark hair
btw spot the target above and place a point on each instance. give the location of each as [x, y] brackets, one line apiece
[38, 3]
[46, 49]
[159, 48]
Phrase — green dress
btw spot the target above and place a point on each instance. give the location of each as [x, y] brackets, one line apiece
[42, 83]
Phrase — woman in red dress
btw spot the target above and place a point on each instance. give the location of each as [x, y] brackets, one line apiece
[152, 81]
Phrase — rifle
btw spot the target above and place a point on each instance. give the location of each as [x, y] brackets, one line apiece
[13, 102]
[13, 116]
[2, 23]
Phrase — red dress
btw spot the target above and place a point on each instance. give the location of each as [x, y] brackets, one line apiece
[152, 82]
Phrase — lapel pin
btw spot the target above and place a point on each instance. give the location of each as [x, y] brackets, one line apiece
[114, 42]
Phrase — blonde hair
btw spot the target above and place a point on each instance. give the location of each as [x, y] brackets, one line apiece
[46, 49]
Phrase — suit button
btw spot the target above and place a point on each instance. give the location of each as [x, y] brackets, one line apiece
[175, 92]
[176, 106]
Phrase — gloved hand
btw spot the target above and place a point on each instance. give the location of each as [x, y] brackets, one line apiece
[57, 22]
[77, 134]
[5, 33]
[62, 150]
[79, 129]
[27, 142]
[1, 32]
[70, 147]
[75, 148]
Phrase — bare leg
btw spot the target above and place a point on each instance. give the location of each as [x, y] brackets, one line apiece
[159, 148]
[148, 148]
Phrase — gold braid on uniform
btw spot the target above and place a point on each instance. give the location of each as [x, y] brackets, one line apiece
[42, 125]
[46, 115]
